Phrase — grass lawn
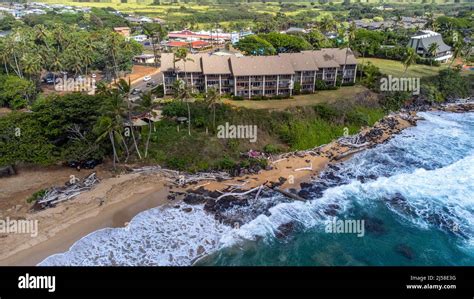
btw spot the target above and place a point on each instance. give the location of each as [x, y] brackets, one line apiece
[396, 68]
[323, 96]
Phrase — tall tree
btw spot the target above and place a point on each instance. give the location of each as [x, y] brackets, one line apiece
[213, 98]
[125, 90]
[181, 55]
[183, 93]
[147, 106]
[409, 58]
[351, 33]
[432, 51]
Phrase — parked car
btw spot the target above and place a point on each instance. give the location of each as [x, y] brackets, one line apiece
[86, 164]
[94, 75]
[49, 79]
[150, 84]
[136, 91]
[146, 78]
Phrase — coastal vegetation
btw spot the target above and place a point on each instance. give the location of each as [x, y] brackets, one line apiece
[77, 127]
[47, 129]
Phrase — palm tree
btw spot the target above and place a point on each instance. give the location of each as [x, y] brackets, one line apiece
[350, 37]
[5, 54]
[31, 65]
[104, 127]
[182, 55]
[111, 122]
[183, 93]
[327, 24]
[433, 50]
[155, 33]
[213, 98]
[147, 106]
[125, 89]
[457, 51]
[409, 58]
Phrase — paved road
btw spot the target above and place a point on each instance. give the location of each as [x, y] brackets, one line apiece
[158, 78]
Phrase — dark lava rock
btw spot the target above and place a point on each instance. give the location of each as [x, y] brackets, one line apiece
[210, 205]
[305, 185]
[285, 230]
[171, 197]
[332, 209]
[187, 210]
[334, 167]
[194, 199]
[330, 176]
[405, 251]
[282, 180]
[304, 194]
[374, 225]
[206, 193]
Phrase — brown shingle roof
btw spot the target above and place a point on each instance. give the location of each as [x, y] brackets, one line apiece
[283, 64]
[323, 60]
[261, 65]
[301, 61]
[339, 55]
[215, 65]
[193, 65]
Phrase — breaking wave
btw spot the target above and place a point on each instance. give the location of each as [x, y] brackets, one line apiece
[424, 176]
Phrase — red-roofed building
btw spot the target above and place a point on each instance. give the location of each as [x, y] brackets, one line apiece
[191, 35]
[195, 45]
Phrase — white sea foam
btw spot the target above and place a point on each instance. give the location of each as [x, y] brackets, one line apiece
[160, 236]
[430, 165]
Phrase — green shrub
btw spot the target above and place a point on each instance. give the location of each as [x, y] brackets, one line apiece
[225, 163]
[271, 149]
[35, 196]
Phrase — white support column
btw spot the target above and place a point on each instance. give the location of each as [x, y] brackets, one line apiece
[205, 82]
[301, 79]
[278, 83]
[164, 85]
[314, 81]
[235, 86]
[250, 87]
[324, 77]
[220, 85]
[289, 86]
[263, 85]
[192, 82]
[355, 73]
[335, 77]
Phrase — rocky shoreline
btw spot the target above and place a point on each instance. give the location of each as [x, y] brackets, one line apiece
[238, 209]
[235, 209]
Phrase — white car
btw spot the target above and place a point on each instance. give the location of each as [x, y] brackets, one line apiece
[146, 78]
[94, 75]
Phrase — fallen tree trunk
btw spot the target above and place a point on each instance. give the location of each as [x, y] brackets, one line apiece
[289, 194]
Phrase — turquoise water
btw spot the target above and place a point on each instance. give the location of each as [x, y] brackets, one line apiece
[415, 194]
[430, 166]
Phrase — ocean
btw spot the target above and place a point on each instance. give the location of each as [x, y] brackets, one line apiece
[414, 194]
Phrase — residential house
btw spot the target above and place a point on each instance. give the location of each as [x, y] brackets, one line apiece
[125, 31]
[422, 41]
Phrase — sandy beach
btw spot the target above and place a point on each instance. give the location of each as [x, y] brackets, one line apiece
[116, 200]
